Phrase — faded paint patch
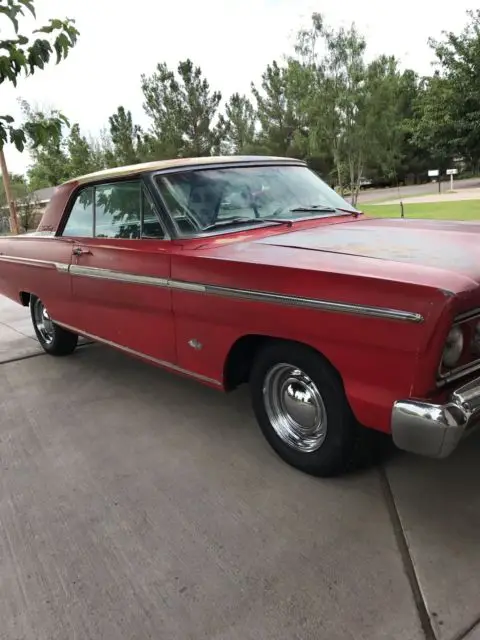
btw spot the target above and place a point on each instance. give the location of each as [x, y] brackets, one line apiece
[454, 248]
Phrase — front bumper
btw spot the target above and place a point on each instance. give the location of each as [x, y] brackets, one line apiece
[434, 430]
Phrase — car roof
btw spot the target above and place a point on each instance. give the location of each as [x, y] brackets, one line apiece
[177, 163]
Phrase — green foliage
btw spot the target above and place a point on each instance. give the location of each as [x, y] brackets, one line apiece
[49, 153]
[60, 156]
[23, 56]
[348, 115]
[239, 125]
[18, 186]
[277, 112]
[127, 139]
[449, 108]
[28, 212]
[82, 157]
[183, 111]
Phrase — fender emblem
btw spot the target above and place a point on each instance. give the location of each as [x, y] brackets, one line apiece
[195, 344]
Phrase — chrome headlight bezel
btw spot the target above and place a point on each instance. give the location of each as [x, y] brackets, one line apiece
[453, 349]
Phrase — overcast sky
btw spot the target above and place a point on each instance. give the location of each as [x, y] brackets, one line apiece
[232, 40]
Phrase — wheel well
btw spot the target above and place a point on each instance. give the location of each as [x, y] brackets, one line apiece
[240, 359]
[24, 298]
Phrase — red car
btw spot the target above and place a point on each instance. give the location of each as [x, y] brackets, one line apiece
[251, 269]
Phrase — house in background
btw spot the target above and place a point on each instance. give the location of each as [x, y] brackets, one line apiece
[43, 196]
[29, 209]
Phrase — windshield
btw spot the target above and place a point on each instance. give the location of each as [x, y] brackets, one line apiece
[207, 199]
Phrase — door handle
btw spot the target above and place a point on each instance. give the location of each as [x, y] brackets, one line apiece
[79, 251]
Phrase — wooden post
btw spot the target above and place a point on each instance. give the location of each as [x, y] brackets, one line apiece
[8, 194]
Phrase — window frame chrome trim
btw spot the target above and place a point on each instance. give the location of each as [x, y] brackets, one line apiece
[145, 185]
[152, 175]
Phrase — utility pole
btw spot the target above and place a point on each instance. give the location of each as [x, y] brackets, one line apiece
[8, 194]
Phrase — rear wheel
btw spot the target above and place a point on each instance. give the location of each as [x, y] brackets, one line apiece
[54, 339]
[302, 409]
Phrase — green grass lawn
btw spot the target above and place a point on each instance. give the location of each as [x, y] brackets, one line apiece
[459, 210]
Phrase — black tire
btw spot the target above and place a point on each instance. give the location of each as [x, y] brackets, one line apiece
[55, 340]
[345, 443]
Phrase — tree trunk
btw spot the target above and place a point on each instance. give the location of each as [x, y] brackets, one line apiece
[338, 165]
[8, 194]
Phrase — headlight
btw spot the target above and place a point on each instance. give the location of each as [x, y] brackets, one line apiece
[453, 348]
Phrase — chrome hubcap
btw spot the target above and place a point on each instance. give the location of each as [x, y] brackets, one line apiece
[295, 408]
[43, 322]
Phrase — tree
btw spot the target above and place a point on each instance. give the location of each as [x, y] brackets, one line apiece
[101, 148]
[239, 123]
[183, 110]
[50, 156]
[81, 157]
[18, 186]
[381, 119]
[337, 95]
[344, 106]
[22, 56]
[415, 156]
[276, 112]
[449, 108]
[29, 212]
[127, 139]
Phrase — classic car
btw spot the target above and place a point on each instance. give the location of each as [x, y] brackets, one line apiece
[252, 270]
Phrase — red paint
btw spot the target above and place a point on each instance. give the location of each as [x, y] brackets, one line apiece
[334, 259]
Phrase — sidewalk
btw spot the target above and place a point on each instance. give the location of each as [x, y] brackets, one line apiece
[445, 196]
[135, 504]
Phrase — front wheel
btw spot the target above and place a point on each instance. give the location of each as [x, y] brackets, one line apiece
[55, 340]
[302, 409]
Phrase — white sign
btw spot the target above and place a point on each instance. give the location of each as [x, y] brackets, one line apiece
[433, 173]
[452, 172]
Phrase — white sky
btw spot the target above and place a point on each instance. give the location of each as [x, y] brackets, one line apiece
[232, 40]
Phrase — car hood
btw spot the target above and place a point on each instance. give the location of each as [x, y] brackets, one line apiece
[448, 246]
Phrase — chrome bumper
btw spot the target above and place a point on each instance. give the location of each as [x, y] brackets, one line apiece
[435, 430]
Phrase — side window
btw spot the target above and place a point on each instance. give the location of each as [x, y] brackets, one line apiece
[118, 210]
[80, 220]
[151, 227]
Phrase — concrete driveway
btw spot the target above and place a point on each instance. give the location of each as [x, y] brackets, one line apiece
[135, 504]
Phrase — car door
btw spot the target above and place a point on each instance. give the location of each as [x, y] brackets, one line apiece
[120, 269]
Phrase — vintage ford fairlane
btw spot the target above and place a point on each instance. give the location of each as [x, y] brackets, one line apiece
[252, 270]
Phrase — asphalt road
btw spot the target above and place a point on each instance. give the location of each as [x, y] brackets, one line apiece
[372, 195]
[135, 505]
